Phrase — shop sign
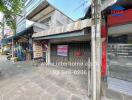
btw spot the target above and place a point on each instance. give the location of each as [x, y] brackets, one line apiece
[62, 50]
[117, 9]
[78, 53]
[37, 50]
[8, 32]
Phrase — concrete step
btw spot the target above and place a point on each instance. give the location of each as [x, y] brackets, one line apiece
[118, 89]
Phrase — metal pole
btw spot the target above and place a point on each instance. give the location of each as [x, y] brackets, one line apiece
[3, 28]
[12, 47]
[13, 40]
[89, 77]
[96, 49]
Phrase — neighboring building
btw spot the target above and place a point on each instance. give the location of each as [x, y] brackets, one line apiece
[22, 39]
[118, 26]
[116, 34]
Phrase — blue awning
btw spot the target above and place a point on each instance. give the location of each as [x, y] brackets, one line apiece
[6, 40]
[22, 33]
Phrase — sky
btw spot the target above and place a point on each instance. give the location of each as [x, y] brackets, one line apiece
[74, 9]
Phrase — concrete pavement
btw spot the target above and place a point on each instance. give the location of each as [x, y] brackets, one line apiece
[22, 81]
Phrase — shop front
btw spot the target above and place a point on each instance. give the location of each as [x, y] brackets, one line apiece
[119, 53]
[70, 53]
[64, 43]
[23, 49]
[119, 64]
[64, 49]
[22, 45]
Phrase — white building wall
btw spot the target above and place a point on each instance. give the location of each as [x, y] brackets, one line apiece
[59, 19]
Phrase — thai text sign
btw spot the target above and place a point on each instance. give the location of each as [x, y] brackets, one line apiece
[62, 50]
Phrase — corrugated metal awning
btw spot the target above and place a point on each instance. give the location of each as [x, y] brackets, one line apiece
[62, 36]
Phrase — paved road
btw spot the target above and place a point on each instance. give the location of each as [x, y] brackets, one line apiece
[22, 81]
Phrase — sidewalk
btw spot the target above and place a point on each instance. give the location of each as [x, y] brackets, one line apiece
[23, 81]
[78, 83]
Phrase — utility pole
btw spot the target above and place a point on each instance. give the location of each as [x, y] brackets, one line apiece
[96, 49]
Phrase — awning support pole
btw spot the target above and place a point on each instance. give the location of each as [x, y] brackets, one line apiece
[12, 47]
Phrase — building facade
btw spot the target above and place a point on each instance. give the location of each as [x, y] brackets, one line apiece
[118, 46]
[51, 18]
[68, 43]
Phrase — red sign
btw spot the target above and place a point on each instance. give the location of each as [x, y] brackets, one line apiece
[78, 53]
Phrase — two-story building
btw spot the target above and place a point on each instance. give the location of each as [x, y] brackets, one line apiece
[49, 16]
[24, 32]
[22, 39]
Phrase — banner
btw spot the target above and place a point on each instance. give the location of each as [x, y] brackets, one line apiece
[37, 50]
[104, 46]
[62, 50]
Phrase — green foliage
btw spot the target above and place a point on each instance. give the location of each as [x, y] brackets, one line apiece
[10, 9]
[1, 24]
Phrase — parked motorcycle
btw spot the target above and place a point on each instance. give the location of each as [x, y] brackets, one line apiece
[9, 57]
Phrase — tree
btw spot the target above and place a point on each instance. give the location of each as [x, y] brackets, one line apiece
[11, 9]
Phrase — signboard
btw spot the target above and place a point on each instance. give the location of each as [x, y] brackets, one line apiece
[104, 44]
[37, 50]
[8, 31]
[118, 9]
[62, 50]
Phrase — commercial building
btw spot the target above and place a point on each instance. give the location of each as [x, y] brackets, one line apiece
[56, 38]
[117, 27]
[71, 44]
[68, 44]
[49, 16]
